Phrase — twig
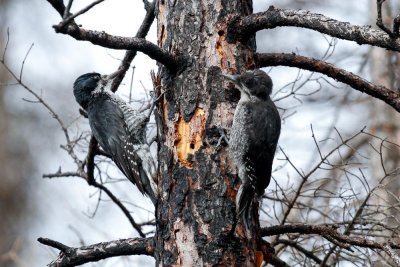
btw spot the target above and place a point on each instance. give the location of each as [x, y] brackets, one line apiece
[60, 174]
[173, 62]
[396, 25]
[54, 244]
[121, 206]
[5, 48]
[89, 177]
[67, 9]
[71, 17]
[379, 21]
[307, 253]
[313, 170]
[71, 256]
[131, 54]
[241, 28]
[69, 148]
[292, 60]
[325, 231]
[23, 62]
[392, 254]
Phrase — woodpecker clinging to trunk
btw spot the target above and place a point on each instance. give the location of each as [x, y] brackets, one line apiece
[254, 136]
[119, 129]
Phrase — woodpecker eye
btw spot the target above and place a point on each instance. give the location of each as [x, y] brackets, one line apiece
[248, 81]
[96, 77]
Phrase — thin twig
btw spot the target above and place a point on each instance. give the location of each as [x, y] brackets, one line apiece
[23, 62]
[5, 48]
[73, 16]
[67, 9]
[54, 244]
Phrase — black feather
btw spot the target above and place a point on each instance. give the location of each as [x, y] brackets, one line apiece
[119, 130]
[254, 137]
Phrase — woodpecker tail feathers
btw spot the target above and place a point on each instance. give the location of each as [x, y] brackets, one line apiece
[244, 201]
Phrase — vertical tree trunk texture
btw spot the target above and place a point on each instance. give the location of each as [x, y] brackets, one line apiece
[197, 181]
[385, 69]
[14, 163]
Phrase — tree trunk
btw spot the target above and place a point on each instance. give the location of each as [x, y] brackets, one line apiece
[385, 67]
[15, 161]
[198, 182]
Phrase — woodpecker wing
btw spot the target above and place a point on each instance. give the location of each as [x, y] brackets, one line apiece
[255, 133]
[260, 154]
[108, 123]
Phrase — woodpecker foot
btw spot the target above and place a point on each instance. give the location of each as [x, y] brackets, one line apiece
[221, 139]
[153, 104]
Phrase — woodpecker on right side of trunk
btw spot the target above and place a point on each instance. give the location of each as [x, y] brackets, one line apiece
[254, 136]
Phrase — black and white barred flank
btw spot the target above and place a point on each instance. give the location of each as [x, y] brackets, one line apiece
[254, 136]
[119, 129]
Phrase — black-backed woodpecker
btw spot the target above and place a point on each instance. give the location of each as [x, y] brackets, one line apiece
[254, 136]
[119, 129]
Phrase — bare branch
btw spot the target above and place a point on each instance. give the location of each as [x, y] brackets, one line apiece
[70, 256]
[172, 62]
[275, 261]
[396, 25]
[60, 174]
[390, 97]
[93, 151]
[23, 62]
[67, 20]
[392, 254]
[6, 46]
[327, 231]
[68, 147]
[54, 244]
[89, 177]
[379, 21]
[58, 5]
[296, 245]
[131, 54]
[67, 9]
[241, 28]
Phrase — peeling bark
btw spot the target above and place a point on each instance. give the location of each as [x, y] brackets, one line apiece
[196, 211]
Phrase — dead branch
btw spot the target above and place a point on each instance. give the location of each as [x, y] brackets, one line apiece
[392, 254]
[327, 231]
[68, 19]
[70, 256]
[390, 97]
[307, 253]
[131, 54]
[89, 177]
[241, 28]
[69, 147]
[172, 62]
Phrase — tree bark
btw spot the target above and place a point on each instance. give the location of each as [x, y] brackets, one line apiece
[385, 67]
[197, 181]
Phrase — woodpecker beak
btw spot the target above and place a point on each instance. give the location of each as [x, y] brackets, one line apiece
[232, 78]
[235, 79]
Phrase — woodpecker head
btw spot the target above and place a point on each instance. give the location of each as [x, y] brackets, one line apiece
[87, 84]
[252, 83]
